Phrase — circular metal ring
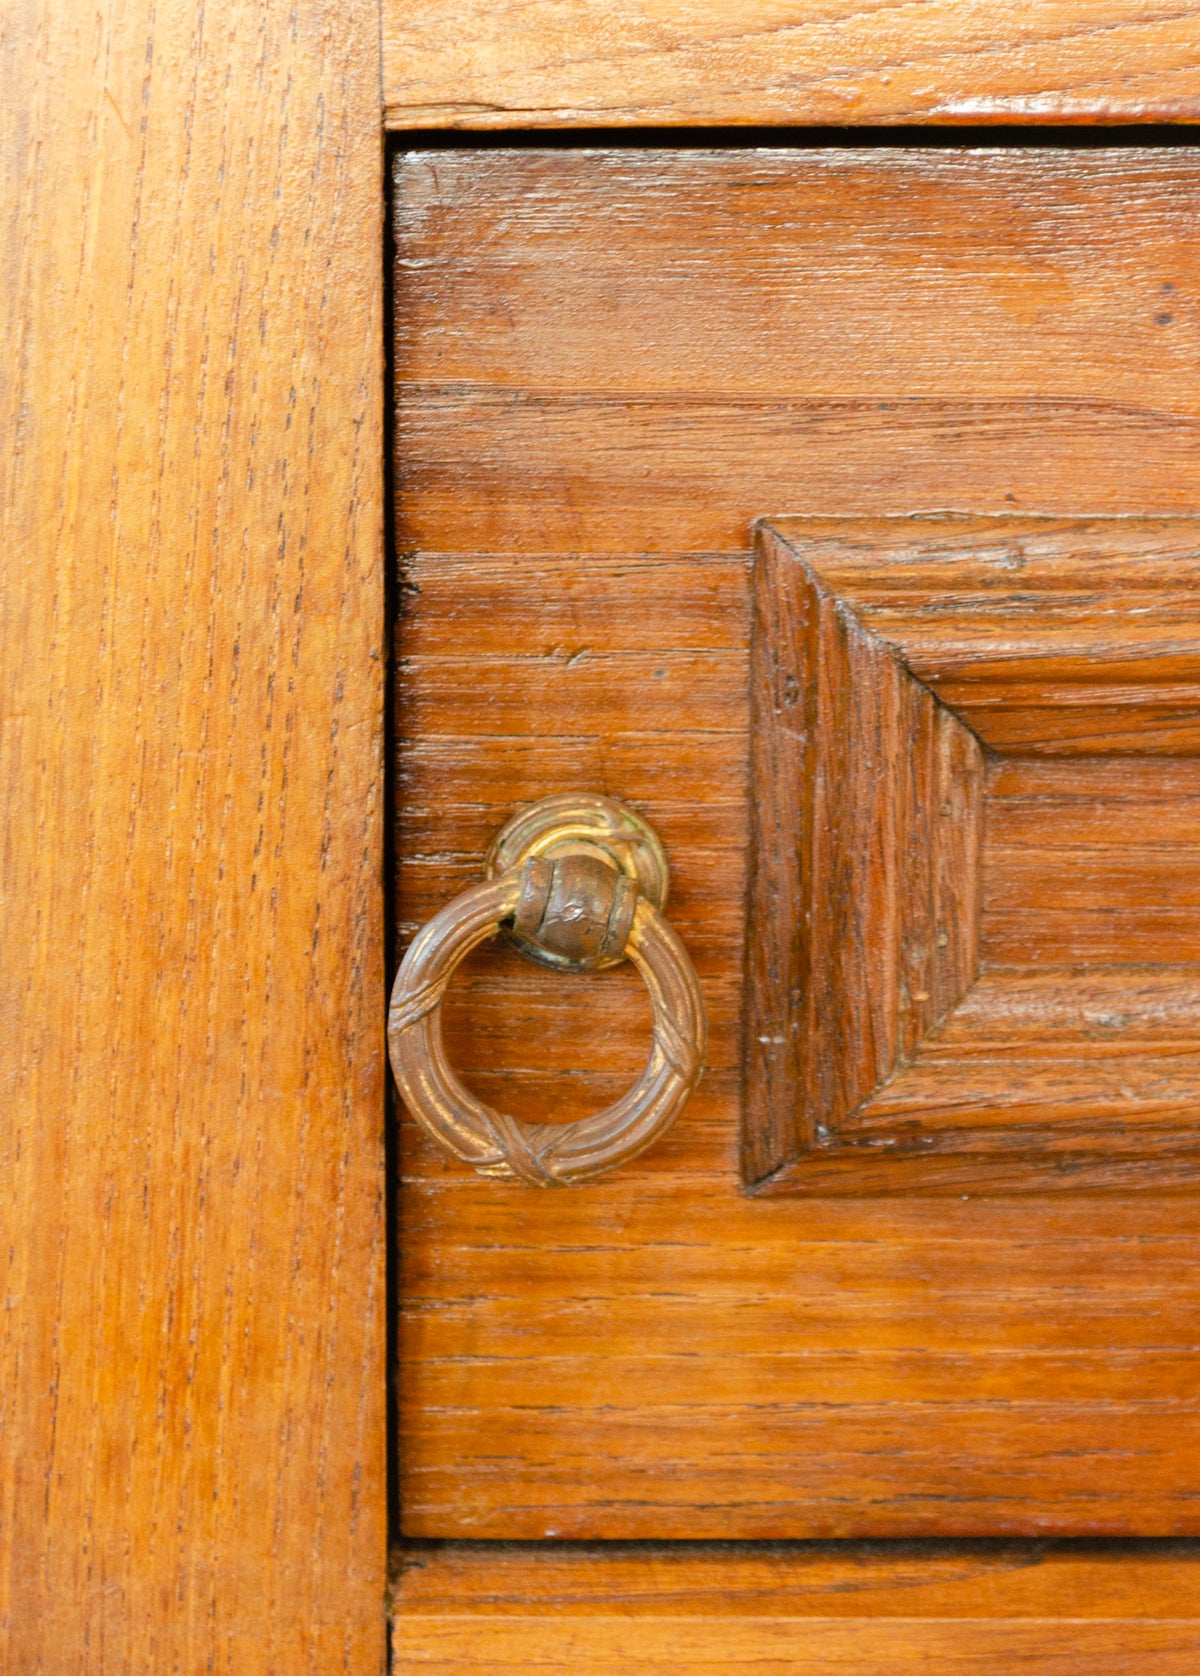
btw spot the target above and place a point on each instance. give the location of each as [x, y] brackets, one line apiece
[541, 1154]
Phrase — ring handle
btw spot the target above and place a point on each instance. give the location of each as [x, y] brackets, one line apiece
[576, 901]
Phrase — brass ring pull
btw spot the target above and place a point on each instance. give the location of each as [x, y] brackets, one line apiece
[580, 880]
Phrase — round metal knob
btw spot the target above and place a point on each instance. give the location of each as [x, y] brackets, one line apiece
[571, 877]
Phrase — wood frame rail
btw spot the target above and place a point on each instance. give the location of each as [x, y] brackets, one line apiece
[702, 1609]
[581, 63]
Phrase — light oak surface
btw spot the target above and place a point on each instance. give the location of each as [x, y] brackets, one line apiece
[608, 366]
[191, 1360]
[572, 63]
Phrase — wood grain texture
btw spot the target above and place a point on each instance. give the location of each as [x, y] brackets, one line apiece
[830, 332]
[660, 719]
[191, 1367]
[1057, 637]
[1092, 860]
[797, 1609]
[931, 904]
[608, 367]
[655, 1354]
[864, 894]
[567, 63]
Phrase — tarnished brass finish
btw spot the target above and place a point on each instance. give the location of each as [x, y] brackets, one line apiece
[569, 878]
[577, 908]
[578, 823]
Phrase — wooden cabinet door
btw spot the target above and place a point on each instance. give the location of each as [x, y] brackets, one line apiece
[918, 1258]
[610, 366]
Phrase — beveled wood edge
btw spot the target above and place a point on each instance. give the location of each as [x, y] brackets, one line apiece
[844, 1171]
[976, 1159]
[772, 1064]
[779, 1142]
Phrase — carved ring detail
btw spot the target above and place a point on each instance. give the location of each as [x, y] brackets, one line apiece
[577, 909]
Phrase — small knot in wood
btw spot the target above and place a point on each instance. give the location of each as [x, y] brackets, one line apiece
[577, 908]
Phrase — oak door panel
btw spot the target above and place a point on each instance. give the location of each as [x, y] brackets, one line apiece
[608, 366]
